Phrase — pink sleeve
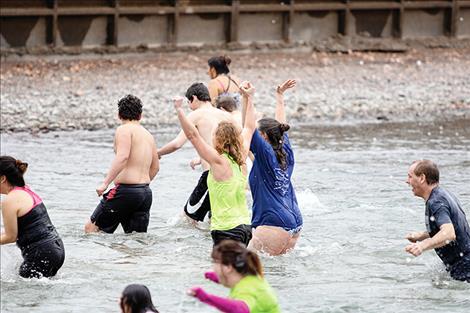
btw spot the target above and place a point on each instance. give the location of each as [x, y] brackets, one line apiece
[212, 276]
[223, 304]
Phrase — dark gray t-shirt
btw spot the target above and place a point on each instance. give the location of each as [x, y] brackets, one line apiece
[443, 207]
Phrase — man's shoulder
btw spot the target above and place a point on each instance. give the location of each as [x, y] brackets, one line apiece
[438, 198]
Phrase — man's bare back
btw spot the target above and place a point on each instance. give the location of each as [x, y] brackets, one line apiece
[142, 154]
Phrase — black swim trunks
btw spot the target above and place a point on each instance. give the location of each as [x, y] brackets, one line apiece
[125, 204]
[43, 260]
[241, 233]
[198, 204]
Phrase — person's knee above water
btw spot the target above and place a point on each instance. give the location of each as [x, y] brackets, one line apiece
[134, 166]
[136, 299]
[225, 181]
[206, 118]
[27, 222]
[447, 229]
[222, 83]
[240, 270]
[276, 215]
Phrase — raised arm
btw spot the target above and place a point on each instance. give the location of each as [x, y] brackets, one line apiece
[249, 118]
[123, 149]
[204, 150]
[280, 109]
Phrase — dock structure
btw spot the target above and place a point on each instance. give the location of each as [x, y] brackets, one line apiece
[176, 24]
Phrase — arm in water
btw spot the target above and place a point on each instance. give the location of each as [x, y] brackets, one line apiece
[280, 108]
[223, 304]
[445, 235]
[123, 148]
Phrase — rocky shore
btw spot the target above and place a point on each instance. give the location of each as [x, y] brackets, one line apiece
[80, 92]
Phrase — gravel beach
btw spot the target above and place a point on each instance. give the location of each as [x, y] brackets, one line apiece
[81, 92]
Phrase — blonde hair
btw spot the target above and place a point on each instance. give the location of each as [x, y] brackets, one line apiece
[228, 140]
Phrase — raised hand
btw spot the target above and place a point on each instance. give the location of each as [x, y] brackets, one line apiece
[290, 83]
[247, 89]
[178, 102]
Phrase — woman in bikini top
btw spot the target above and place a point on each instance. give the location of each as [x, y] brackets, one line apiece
[221, 82]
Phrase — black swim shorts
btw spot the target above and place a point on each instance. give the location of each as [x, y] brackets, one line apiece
[198, 204]
[125, 204]
[241, 233]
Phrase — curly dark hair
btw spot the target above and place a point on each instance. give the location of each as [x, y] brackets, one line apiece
[130, 108]
[200, 91]
[275, 133]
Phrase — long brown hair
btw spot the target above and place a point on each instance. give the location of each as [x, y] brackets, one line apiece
[275, 133]
[243, 260]
[228, 140]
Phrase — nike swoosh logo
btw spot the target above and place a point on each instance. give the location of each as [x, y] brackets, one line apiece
[193, 208]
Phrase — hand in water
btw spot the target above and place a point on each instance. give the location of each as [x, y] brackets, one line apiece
[195, 162]
[178, 102]
[414, 249]
[290, 83]
[212, 276]
[247, 89]
[101, 189]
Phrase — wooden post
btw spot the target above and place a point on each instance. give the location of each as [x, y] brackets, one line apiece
[234, 21]
[344, 16]
[287, 19]
[398, 21]
[173, 22]
[454, 19]
[112, 26]
[54, 28]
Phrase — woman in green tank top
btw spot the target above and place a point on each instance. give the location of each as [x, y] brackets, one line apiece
[226, 181]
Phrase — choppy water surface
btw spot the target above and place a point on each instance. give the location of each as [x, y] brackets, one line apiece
[350, 182]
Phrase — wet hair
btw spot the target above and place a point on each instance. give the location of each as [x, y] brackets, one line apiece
[220, 64]
[243, 260]
[13, 170]
[227, 103]
[275, 133]
[130, 108]
[138, 298]
[429, 169]
[200, 91]
[228, 140]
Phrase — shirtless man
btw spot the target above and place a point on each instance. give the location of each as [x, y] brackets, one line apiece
[134, 166]
[206, 118]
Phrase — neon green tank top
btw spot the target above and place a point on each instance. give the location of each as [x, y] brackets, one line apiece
[228, 199]
[257, 294]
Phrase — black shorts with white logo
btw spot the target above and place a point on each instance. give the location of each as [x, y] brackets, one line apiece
[198, 204]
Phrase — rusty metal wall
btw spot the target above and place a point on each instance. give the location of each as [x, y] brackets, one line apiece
[181, 23]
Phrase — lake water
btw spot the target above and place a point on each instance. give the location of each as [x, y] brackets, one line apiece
[357, 208]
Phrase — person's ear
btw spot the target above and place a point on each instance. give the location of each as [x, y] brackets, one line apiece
[3, 179]
[422, 178]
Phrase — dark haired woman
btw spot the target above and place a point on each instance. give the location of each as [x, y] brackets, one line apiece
[276, 216]
[222, 83]
[226, 179]
[26, 221]
[239, 269]
[137, 299]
